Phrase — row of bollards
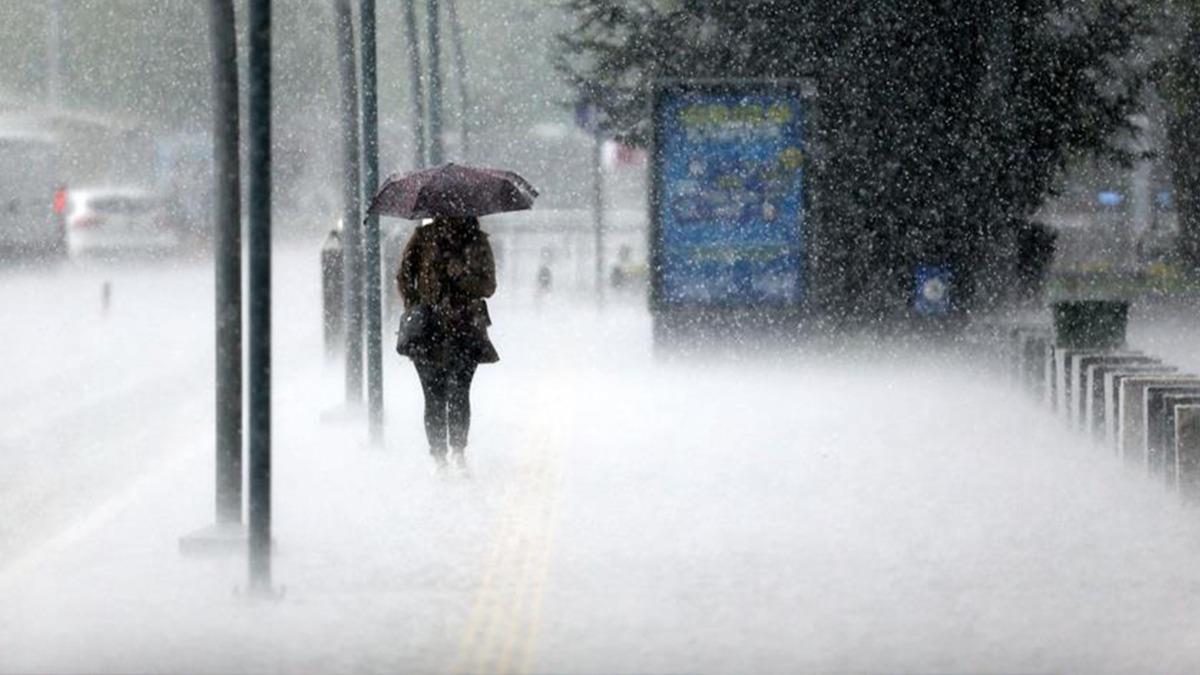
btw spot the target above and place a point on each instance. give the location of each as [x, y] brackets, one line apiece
[1141, 409]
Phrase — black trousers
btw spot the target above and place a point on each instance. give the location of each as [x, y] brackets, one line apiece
[447, 403]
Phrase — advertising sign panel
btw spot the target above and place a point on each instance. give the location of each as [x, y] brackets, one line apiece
[728, 202]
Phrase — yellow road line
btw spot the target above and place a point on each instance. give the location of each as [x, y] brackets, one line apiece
[542, 574]
[478, 610]
[524, 605]
[505, 616]
[542, 571]
[489, 617]
[507, 621]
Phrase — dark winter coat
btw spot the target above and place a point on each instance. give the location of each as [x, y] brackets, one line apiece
[448, 266]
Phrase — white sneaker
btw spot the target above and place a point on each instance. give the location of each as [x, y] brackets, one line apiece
[458, 464]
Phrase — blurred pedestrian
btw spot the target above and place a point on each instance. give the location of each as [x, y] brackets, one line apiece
[620, 277]
[545, 277]
[447, 270]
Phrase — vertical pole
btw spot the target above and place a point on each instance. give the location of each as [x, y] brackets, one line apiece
[228, 261]
[259, 38]
[433, 23]
[54, 55]
[460, 71]
[371, 287]
[352, 236]
[598, 209]
[416, 81]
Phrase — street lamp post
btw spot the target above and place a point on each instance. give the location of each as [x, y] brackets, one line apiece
[460, 71]
[54, 55]
[259, 61]
[371, 287]
[228, 532]
[433, 28]
[418, 89]
[228, 262]
[351, 184]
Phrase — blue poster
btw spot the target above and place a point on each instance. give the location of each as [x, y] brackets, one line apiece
[730, 197]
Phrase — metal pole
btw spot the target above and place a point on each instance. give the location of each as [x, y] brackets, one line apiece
[598, 209]
[228, 261]
[433, 28]
[371, 287]
[259, 38]
[352, 235]
[417, 82]
[460, 70]
[54, 55]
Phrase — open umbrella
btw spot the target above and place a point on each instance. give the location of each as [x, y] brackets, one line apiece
[452, 190]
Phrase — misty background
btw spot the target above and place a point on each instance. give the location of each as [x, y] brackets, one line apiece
[893, 500]
[135, 79]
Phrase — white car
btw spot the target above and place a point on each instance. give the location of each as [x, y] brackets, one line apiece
[118, 220]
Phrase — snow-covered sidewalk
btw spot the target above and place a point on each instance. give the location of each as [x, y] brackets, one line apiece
[813, 514]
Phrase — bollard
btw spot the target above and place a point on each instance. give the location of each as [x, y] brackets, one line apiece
[1187, 440]
[1014, 351]
[1094, 410]
[1034, 355]
[1160, 443]
[1017, 350]
[1112, 385]
[1171, 402]
[1048, 397]
[105, 297]
[1010, 348]
[332, 316]
[1075, 362]
[1066, 396]
[1153, 398]
[1083, 383]
[1131, 433]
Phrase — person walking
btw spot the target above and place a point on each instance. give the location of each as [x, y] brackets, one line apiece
[447, 271]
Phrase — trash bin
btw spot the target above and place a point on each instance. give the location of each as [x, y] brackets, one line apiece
[332, 315]
[1090, 324]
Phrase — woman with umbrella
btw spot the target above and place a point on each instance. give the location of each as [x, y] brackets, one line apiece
[447, 272]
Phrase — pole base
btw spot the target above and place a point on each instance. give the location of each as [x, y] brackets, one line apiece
[345, 413]
[257, 594]
[215, 540]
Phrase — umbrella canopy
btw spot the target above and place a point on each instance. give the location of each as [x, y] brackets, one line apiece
[452, 190]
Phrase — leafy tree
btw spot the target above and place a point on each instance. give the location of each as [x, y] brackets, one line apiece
[938, 126]
[1178, 83]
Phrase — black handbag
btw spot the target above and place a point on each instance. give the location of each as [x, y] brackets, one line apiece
[416, 329]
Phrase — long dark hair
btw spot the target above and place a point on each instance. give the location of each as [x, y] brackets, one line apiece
[457, 230]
